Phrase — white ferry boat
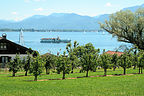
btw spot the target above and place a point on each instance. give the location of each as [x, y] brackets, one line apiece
[54, 40]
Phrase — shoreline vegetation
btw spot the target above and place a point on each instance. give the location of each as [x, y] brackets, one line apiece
[49, 30]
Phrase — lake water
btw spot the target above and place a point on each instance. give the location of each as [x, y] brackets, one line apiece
[32, 40]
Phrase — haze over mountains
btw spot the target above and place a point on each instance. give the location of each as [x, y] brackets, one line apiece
[60, 21]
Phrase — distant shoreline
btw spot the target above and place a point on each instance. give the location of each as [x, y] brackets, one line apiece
[45, 30]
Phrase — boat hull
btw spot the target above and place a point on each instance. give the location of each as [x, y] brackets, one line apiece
[55, 41]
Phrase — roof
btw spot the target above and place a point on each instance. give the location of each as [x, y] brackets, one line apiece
[47, 54]
[16, 48]
[114, 52]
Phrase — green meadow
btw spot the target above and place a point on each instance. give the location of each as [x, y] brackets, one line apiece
[111, 85]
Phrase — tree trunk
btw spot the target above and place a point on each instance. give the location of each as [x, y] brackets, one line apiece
[87, 73]
[81, 71]
[94, 70]
[63, 75]
[139, 70]
[134, 67]
[124, 71]
[26, 73]
[13, 74]
[105, 70]
[47, 71]
[58, 72]
[72, 68]
[114, 67]
[35, 79]
[72, 71]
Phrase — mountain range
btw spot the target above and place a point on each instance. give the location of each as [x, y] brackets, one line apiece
[60, 21]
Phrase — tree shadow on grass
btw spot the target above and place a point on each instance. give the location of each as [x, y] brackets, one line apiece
[25, 76]
[81, 77]
[20, 76]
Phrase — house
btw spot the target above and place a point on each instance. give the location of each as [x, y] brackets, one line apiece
[114, 52]
[9, 49]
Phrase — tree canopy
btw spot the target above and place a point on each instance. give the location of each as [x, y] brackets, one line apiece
[127, 26]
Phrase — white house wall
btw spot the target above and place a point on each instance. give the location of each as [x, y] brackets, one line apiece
[14, 55]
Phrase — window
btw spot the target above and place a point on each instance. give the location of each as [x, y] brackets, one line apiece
[3, 46]
[4, 61]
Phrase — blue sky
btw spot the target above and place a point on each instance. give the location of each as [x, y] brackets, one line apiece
[20, 9]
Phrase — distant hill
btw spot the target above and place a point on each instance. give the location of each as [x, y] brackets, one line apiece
[60, 21]
[134, 8]
[103, 17]
[55, 21]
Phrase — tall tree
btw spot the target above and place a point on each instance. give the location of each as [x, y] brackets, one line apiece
[127, 26]
[74, 61]
[96, 60]
[72, 54]
[14, 65]
[105, 62]
[64, 64]
[27, 62]
[36, 67]
[88, 64]
[135, 59]
[58, 63]
[140, 63]
[114, 61]
[125, 61]
[49, 63]
[79, 51]
[89, 58]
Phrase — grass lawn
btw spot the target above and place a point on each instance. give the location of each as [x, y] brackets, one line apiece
[124, 85]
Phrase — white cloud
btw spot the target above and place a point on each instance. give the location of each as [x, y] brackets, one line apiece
[39, 9]
[17, 19]
[39, 0]
[26, 1]
[14, 13]
[108, 4]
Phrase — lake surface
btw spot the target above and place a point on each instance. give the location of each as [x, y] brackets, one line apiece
[32, 40]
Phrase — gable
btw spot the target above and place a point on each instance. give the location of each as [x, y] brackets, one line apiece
[9, 47]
